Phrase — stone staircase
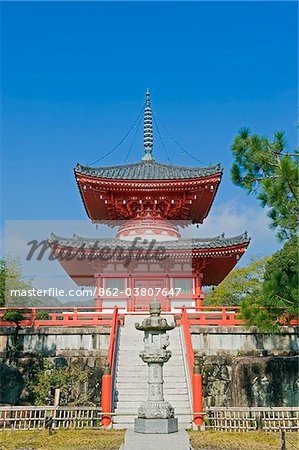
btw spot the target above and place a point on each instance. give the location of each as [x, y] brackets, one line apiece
[131, 376]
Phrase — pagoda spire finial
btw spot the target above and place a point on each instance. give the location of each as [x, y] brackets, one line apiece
[148, 129]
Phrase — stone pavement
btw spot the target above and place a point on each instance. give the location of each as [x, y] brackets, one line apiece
[172, 441]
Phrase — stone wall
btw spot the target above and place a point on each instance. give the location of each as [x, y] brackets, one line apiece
[58, 341]
[250, 381]
[237, 340]
[240, 366]
[62, 347]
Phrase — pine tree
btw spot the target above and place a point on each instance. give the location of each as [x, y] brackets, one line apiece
[266, 169]
[277, 302]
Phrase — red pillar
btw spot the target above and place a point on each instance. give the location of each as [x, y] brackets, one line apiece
[106, 397]
[197, 396]
[99, 284]
[198, 289]
[130, 288]
[167, 300]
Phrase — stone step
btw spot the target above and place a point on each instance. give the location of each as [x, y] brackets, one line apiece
[131, 376]
[125, 358]
[144, 389]
[143, 368]
[183, 406]
[143, 394]
[130, 419]
[136, 384]
[133, 405]
[173, 341]
[141, 376]
[171, 390]
[125, 413]
[135, 364]
[130, 426]
[141, 397]
[130, 415]
[129, 387]
[134, 354]
[139, 337]
[135, 350]
[169, 382]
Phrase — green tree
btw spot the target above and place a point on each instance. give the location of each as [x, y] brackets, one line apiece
[265, 168]
[14, 316]
[70, 380]
[241, 283]
[11, 277]
[278, 302]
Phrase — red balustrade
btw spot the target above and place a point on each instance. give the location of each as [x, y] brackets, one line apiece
[195, 378]
[107, 378]
[188, 341]
[62, 316]
[88, 316]
[212, 315]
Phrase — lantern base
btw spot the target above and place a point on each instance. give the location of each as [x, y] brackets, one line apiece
[156, 426]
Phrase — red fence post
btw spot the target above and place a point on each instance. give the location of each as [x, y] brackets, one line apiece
[188, 340]
[106, 397]
[33, 314]
[197, 395]
[194, 371]
[113, 335]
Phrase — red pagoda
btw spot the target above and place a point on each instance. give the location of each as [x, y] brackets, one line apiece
[149, 203]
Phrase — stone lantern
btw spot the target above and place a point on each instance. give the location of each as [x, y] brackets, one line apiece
[155, 415]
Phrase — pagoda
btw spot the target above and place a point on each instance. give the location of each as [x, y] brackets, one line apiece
[149, 203]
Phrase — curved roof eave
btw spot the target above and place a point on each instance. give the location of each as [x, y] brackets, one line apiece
[147, 170]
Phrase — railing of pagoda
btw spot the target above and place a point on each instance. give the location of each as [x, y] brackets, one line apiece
[90, 316]
[195, 375]
[61, 316]
[108, 376]
[210, 315]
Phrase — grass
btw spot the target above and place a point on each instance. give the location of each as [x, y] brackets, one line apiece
[251, 440]
[111, 440]
[62, 439]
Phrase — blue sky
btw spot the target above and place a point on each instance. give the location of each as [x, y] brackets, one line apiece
[73, 81]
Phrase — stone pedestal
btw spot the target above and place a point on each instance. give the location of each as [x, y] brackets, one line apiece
[156, 426]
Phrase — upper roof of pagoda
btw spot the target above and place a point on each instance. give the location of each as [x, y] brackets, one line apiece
[122, 192]
[148, 170]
